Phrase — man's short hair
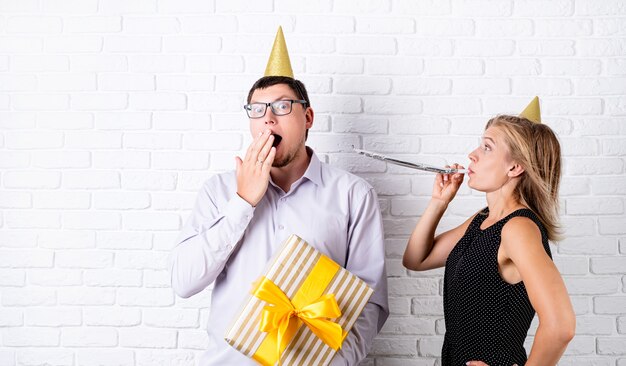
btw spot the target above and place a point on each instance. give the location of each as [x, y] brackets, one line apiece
[295, 85]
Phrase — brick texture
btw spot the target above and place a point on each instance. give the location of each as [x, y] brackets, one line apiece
[113, 113]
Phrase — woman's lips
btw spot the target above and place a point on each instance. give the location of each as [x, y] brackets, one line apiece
[277, 140]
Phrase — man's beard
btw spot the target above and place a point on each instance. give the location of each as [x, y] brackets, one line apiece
[288, 157]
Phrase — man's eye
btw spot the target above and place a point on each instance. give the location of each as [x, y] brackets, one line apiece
[282, 106]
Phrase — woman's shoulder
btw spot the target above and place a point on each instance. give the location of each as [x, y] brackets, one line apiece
[522, 235]
[524, 218]
[521, 225]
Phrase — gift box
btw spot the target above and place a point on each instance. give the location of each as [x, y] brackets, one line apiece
[300, 310]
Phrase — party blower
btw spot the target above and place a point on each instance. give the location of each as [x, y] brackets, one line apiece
[418, 166]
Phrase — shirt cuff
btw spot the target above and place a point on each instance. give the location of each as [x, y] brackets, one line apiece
[238, 214]
[238, 208]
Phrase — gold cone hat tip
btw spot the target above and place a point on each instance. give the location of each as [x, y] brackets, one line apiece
[279, 63]
[532, 111]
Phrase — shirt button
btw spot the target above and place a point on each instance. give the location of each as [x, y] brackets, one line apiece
[281, 227]
[229, 247]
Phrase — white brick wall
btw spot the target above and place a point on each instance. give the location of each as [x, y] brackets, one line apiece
[113, 113]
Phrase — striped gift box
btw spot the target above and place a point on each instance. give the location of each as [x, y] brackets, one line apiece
[294, 267]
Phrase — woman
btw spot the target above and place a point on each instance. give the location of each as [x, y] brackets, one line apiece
[498, 266]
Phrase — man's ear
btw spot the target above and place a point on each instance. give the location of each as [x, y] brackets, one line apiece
[515, 170]
[308, 115]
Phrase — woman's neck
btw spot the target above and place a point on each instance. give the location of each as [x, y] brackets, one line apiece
[502, 202]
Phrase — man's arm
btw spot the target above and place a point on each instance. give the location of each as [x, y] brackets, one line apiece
[366, 259]
[211, 233]
[206, 242]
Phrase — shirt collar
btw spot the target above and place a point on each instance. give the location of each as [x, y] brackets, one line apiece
[314, 170]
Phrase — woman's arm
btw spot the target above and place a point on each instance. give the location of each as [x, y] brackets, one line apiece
[424, 251]
[521, 243]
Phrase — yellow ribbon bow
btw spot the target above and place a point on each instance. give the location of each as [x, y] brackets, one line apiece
[282, 317]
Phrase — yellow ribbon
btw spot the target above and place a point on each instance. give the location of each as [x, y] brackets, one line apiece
[282, 318]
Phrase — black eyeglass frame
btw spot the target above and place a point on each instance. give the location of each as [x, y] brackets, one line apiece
[248, 106]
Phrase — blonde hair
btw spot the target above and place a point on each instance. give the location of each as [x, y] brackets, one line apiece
[536, 148]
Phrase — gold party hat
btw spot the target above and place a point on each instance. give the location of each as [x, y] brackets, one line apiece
[532, 111]
[279, 64]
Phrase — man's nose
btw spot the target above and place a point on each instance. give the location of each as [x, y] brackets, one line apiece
[270, 117]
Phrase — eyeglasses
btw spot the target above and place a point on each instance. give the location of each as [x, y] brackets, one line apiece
[279, 107]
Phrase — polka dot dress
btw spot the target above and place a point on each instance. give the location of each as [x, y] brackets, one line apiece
[487, 319]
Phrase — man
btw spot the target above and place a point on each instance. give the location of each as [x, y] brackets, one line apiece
[279, 188]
